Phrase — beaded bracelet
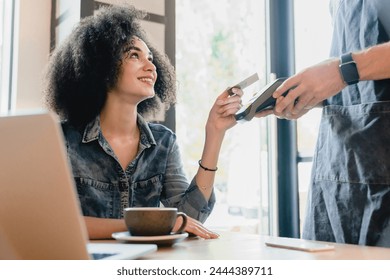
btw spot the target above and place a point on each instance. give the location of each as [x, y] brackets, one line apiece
[205, 168]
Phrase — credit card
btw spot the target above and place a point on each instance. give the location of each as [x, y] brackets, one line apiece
[245, 83]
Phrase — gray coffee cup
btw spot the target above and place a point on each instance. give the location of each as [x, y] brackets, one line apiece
[153, 221]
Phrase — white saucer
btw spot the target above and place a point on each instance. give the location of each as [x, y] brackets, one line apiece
[159, 240]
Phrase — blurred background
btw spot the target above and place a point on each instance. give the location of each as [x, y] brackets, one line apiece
[264, 166]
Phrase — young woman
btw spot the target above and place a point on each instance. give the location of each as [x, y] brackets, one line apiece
[102, 82]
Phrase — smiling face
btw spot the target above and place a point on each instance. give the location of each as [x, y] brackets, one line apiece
[138, 73]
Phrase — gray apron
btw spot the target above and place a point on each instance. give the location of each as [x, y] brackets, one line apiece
[349, 198]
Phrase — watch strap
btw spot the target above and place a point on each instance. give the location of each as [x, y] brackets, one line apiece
[345, 58]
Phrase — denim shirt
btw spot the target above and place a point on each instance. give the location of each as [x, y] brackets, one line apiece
[154, 176]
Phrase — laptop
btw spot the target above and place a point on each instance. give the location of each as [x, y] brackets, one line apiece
[40, 215]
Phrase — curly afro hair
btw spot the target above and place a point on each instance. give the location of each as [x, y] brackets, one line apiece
[86, 66]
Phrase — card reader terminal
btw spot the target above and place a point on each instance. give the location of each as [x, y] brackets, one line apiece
[260, 101]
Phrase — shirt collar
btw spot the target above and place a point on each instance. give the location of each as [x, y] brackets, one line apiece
[93, 130]
[147, 137]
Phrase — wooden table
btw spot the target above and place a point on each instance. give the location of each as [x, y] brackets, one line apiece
[237, 246]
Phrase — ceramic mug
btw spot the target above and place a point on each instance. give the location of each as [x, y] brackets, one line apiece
[153, 221]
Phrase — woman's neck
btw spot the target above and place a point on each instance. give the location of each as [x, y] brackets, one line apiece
[119, 119]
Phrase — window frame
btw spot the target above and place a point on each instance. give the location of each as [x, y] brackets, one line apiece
[282, 63]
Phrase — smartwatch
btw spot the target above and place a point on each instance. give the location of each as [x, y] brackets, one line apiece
[348, 69]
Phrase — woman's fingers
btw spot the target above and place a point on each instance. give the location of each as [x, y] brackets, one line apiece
[197, 228]
[201, 231]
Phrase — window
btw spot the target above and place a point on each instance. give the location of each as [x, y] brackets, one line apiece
[25, 44]
[6, 22]
[312, 45]
[219, 43]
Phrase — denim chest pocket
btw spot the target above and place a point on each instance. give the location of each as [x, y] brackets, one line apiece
[98, 199]
[147, 193]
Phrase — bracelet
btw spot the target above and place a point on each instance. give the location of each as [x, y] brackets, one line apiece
[205, 168]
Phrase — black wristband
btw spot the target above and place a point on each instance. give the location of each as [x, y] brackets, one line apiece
[205, 168]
